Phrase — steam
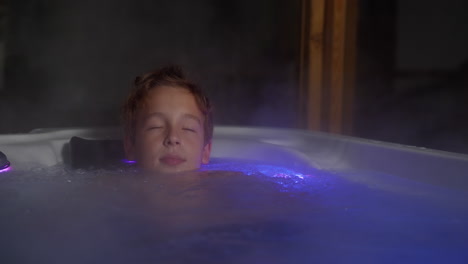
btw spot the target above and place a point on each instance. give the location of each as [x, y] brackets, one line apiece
[71, 63]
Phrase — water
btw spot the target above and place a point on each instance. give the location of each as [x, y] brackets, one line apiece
[230, 212]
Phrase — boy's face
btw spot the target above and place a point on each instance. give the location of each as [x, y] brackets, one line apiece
[169, 136]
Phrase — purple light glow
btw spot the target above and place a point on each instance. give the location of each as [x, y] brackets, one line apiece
[5, 169]
[129, 161]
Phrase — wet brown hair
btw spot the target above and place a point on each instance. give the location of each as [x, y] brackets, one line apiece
[172, 76]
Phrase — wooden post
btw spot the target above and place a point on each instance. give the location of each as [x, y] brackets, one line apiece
[315, 58]
[328, 64]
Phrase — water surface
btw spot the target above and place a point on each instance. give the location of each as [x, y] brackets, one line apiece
[230, 212]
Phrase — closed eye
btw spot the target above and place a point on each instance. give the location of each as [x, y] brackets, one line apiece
[189, 129]
[154, 127]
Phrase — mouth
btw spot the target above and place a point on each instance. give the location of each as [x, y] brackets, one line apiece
[171, 160]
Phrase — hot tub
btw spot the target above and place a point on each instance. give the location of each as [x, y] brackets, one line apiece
[297, 197]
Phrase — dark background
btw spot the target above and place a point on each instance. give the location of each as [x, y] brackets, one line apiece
[67, 63]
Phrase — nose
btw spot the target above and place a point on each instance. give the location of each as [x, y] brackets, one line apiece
[172, 138]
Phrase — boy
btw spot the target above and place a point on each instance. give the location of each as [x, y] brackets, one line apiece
[168, 123]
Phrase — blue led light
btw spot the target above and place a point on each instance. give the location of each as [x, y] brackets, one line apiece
[252, 169]
[278, 172]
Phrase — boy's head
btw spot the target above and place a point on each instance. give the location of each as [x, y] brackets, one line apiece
[168, 122]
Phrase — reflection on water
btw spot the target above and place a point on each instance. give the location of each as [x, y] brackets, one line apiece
[230, 212]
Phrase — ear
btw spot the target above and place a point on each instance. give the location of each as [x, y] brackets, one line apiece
[129, 147]
[206, 153]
